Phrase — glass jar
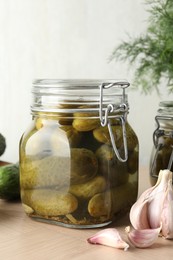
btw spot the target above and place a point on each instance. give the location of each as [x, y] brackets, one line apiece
[162, 156]
[79, 156]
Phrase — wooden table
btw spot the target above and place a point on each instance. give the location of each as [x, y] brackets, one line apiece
[22, 238]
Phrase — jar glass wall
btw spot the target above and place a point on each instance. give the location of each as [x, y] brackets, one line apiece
[79, 157]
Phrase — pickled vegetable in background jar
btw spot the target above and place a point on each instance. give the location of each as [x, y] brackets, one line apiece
[79, 156]
[162, 152]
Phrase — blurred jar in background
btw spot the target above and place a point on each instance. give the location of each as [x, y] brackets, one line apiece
[162, 152]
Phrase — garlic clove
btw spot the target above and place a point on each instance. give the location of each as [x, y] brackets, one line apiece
[109, 237]
[138, 215]
[143, 238]
[139, 211]
[167, 213]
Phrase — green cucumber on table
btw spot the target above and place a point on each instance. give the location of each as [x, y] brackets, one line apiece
[9, 181]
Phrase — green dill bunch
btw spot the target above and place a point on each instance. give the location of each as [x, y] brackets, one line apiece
[152, 53]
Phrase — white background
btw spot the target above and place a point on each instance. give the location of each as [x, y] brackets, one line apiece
[67, 39]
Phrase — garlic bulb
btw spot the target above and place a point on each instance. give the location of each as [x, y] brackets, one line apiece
[109, 237]
[154, 208]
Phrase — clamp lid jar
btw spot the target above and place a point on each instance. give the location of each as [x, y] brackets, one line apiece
[162, 152]
[79, 156]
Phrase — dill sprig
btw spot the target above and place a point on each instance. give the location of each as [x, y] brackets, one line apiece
[152, 52]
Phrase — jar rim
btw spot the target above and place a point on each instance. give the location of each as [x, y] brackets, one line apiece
[68, 95]
[166, 103]
[165, 108]
[76, 83]
[78, 87]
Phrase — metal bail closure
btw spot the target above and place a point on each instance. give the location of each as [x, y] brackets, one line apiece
[109, 109]
[158, 132]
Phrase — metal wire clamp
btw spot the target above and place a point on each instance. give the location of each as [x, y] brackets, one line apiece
[122, 109]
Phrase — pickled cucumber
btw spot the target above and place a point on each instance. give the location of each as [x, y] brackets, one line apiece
[122, 197]
[90, 188]
[100, 205]
[102, 135]
[46, 202]
[84, 165]
[110, 167]
[46, 172]
[84, 121]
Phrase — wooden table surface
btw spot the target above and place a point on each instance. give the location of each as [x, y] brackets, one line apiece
[22, 238]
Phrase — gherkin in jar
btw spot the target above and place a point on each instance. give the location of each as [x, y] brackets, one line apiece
[48, 202]
[122, 196]
[83, 121]
[84, 165]
[110, 167]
